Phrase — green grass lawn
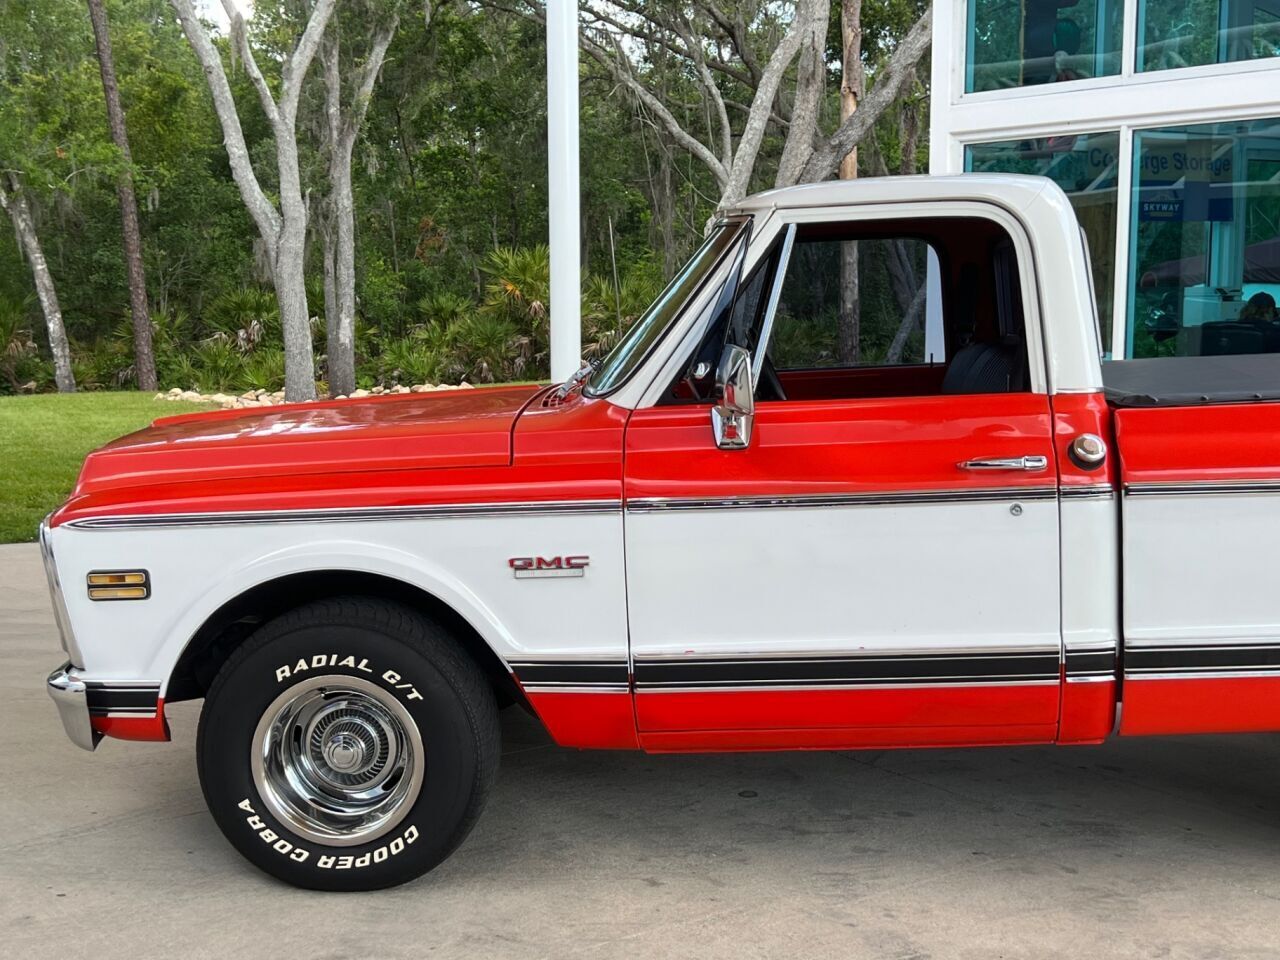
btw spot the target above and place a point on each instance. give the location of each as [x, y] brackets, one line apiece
[44, 439]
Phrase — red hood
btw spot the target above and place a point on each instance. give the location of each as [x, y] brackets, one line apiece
[450, 428]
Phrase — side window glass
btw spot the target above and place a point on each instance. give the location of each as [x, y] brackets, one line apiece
[849, 303]
[896, 308]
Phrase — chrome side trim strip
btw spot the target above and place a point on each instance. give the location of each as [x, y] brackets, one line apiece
[1202, 675]
[1204, 488]
[1166, 646]
[1204, 669]
[836, 500]
[645, 688]
[912, 654]
[1096, 492]
[1092, 678]
[576, 688]
[442, 511]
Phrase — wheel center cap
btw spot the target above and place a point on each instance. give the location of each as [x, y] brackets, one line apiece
[344, 753]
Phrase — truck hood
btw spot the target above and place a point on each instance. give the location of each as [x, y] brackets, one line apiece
[421, 431]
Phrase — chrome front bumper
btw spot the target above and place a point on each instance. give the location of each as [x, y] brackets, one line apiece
[71, 697]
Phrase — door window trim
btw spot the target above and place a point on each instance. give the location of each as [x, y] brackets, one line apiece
[775, 296]
[765, 235]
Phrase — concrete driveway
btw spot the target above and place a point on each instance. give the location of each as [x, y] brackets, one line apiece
[1163, 848]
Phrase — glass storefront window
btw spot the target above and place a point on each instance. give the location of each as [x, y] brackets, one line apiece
[1086, 167]
[1019, 43]
[1189, 33]
[1205, 240]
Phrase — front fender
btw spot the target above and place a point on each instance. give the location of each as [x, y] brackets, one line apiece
[461, 561]
[335, 554]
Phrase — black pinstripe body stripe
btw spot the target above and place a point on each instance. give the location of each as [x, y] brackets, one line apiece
[1258, 656]
[104, 698]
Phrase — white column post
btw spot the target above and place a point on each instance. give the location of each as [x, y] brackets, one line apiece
[563, 187]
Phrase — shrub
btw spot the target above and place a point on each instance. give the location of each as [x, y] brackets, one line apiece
[17, 346]
[408, 362]
[245, 317]
[489, 348]
[218, 364]
[519, 286]
[263, 370]
[107, 365]
[177, 370]
[444, 308]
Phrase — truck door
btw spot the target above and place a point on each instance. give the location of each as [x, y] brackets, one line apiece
[1201, 521]
[879, 564]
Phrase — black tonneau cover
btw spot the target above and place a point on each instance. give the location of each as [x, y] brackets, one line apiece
[1192, 381]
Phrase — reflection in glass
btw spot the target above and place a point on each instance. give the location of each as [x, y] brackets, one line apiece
[1189, 33]
[1018, 43]
[648, 330]
[1205, 240]
[1086, 168]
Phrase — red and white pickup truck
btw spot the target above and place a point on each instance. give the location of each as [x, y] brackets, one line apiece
[763, 522]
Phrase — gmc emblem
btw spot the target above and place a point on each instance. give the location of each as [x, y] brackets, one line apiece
[525, 567]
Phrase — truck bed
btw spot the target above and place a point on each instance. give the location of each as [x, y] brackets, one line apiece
[1191, 381]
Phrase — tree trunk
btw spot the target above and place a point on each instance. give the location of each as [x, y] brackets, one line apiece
[290, 275]
[295, 319]
[849, 328]
[811, 73]
[665, 207]
[144, 363]
[342, 349]
[910, 320]
[283, 231]
[338, 239]
[891, 77]
[341, 129]
[910, 137]
[14, 202]
[330, 302]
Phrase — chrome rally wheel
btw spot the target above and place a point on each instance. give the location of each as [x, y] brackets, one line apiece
[338, 760]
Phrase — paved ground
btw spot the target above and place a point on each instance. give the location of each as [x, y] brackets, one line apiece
[1167, 848]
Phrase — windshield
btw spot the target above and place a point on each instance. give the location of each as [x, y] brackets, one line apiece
[648, 330]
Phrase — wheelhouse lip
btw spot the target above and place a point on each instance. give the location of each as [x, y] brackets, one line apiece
[742, 221]
[61, 616]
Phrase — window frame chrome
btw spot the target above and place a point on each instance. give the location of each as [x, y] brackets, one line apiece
[771, 307]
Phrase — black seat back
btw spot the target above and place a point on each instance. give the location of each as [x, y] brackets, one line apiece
[995, 366]
[985, 368]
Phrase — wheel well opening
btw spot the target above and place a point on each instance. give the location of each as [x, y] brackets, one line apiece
[235, 620]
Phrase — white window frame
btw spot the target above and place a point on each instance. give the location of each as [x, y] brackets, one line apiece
[1124, 103]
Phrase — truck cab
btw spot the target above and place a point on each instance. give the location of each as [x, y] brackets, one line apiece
[859, 478]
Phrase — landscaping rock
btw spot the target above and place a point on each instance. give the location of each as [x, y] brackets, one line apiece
[265, 398]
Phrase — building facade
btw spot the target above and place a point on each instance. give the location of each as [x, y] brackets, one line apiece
[1161, 121]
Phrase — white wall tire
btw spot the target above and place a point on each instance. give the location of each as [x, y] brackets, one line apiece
[348, 745]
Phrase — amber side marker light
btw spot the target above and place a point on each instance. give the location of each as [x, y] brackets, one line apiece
[119, 585]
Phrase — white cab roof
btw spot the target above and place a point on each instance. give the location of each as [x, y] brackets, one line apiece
[1010, 190]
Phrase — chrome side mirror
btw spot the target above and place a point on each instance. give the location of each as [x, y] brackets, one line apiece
[735, 400]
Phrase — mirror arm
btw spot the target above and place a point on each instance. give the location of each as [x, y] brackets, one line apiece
[734, 410]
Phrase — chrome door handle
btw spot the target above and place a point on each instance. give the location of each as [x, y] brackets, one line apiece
[1030, 464]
